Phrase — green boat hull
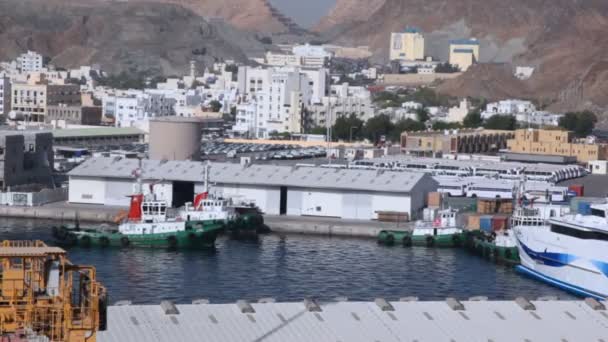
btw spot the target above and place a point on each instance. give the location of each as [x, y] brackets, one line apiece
[481, 246]
[406, 239]
[198, 235]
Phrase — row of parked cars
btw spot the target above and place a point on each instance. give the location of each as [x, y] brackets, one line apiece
[261, 151]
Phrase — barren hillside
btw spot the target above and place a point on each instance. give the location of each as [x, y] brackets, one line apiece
[124, 36]
[565, 40]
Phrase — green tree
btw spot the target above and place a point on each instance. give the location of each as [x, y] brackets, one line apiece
[581, 123]
[442, 125]
[345, 125]
[378, 126]
[446, 68]
[472, 119]
[504, 122]
[422, 114]
[405, 125]
[215, 106]
[317, 130]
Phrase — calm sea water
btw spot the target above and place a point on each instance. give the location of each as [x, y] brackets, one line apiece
[290, 268]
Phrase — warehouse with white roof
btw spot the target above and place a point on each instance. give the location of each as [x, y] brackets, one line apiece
[276, 190]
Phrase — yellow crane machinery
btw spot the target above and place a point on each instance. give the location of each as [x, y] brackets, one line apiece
[42, 294]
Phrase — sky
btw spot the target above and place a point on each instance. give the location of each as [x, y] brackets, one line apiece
[305, 13]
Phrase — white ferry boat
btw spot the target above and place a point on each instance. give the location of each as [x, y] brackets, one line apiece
[569, 252]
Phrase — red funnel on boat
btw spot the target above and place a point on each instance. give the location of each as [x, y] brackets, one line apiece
[135, 207]
[198, 199]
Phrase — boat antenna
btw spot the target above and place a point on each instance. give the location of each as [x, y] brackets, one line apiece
[206, 183]
[138, 175]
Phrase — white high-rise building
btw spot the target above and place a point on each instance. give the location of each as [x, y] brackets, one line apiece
[30, 62]
[280, 96]
[5, 95]
[407, 45]
[133, 108]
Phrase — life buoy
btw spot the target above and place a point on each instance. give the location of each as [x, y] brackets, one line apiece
[85, 241]
[430, 241]
[407, 241]
[124, 241]
[104, 241]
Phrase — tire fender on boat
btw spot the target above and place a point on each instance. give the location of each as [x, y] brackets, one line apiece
[407, 241]
[430, 241]
[85, 241]
[124, 241]
[390, 239]
[456, 239]
[104, 241]
[172, 241]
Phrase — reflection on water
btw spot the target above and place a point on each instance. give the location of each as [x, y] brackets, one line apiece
[291, 268]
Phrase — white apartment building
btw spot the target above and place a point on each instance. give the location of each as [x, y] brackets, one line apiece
[280, 95]
[539, 118]
[29, 62]
[458, 113]
[5, 95]
[508, 107]
[309, 56]
[133, 108]
[343, 100]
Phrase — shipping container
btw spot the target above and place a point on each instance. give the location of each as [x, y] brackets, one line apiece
[500, 222]
[473, 222]
[434, 199]
[578, 189]
[494, 206]
[485, 223]
[393, 216]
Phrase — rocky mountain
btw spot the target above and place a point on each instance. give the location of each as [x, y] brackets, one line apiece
[565, 40]
[256, 15]
[157, 37]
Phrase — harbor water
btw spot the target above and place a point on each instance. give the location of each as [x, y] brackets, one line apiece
[290, 268]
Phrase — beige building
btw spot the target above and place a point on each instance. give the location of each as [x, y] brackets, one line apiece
[556, 142]
[437, 143]
[78, 115]
[464, 53]
[30, 101]
[407, 45]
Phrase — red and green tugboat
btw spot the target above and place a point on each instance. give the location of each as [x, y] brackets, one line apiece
[442, 232]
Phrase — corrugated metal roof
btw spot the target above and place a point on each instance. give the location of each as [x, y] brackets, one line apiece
[496, 321]
[271, 175]
[464, 41]
[95, 132]
[29, 251]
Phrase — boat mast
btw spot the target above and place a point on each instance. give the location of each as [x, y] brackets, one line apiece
[206, 183]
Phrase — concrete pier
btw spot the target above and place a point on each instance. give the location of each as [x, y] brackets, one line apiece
[306, 225]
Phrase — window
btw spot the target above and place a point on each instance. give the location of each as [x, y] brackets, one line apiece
[579, 234]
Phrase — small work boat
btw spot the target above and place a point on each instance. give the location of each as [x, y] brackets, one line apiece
[442, 232]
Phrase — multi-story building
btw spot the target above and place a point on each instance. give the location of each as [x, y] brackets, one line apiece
[470, 141]
[308, 56]
[5, 95]
[508, 107]
[133, 108]
[30, 62]
[407, 45]
[343, 100]
[78, 115]
[464, 53]
[25, 158]
[556, 142]
[281, 96]
[30, 101]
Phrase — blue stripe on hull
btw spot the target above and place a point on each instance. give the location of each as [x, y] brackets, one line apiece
[579, 291]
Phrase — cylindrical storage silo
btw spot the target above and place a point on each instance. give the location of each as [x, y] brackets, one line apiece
[175, 138]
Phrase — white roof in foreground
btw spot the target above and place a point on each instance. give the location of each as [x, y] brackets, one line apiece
[496, 321]
[262, 174]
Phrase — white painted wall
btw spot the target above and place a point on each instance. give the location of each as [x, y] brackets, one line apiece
[357, 206]
[294, 202]
[89, 191]
[266, 198]
[117, 192]
[321, 203]
[391, 202]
